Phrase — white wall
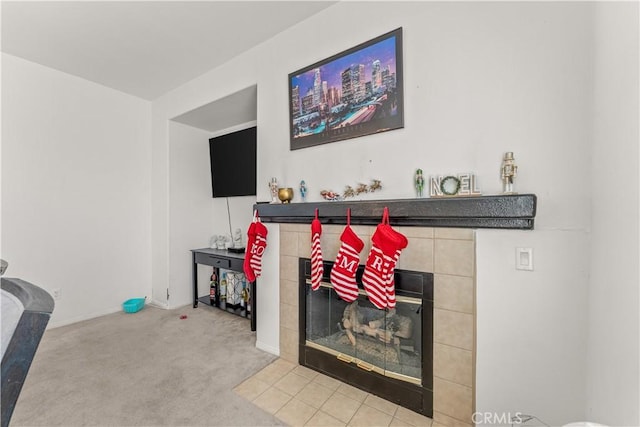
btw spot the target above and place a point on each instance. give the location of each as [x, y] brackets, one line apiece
[194, 215]
[190, 207]
[480, 79]
[531, 325]
[159, 205]
[75, 189]
[613, 358]
[268, 295]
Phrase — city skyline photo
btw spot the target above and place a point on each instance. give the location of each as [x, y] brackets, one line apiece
[353, 93]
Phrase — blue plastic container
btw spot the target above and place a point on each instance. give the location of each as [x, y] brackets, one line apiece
[133, 305]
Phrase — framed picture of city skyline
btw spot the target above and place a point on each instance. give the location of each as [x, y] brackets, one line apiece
[353, 93]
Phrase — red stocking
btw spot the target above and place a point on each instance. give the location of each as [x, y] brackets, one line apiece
[256, 244]
[251, 239]
[316, 253]
[391, 284]
[257, 249]
[343, 273]
[378, 273]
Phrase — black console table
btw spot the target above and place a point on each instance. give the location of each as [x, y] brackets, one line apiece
[221, 258]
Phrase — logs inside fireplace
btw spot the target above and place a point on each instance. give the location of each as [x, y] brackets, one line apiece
[388, 353]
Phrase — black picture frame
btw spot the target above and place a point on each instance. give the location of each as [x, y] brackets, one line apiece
[362, 94]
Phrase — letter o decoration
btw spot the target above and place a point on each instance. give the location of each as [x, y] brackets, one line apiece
[450, 185]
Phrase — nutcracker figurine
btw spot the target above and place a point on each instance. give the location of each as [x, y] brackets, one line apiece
[273, 188]
[419, 182]
[509, 171]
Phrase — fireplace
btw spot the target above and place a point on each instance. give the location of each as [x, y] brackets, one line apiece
[388, 353]
[441, 235]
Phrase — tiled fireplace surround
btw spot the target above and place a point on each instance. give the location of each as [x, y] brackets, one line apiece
[446, 251]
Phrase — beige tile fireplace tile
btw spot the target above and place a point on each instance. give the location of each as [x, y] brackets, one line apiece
[283, 366]
[294, 228]
[322, 419]
[323, 401]
[327, 381]
[452, 400]
[454, 233]
[251, 388]
[352, 392]
[305, 372]
[363, 231]
[341, 407]
[453, 364]
[330, 245]
[272, 400]
[289, 268]
[315, 394]
[439, 419]
[453, 293]
[289, 292]
[453, 328]
[269, 375]
[276, 370]
[418, 256]
[291, 383]
[416, 232]
[396, 422]
[295, 412]
[455, 257]
[332, 229]
[289, 317]
[285, 227]
[304, 244]
[382, 404]
[288, 243]
[289, 345]
[412, 418]
[367, 416]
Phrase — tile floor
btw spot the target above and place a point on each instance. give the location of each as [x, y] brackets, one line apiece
[299, 396]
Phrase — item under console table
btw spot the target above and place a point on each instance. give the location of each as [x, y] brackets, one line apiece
[222, 259]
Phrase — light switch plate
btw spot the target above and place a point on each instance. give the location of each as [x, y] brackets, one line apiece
[524, 259]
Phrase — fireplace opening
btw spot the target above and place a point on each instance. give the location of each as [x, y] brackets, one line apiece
[388, 353]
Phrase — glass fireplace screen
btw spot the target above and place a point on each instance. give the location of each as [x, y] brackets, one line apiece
[388, 342]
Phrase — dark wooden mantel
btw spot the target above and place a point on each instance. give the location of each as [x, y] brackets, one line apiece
[513, 211]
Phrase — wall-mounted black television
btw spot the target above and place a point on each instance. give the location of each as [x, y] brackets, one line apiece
[233, 163]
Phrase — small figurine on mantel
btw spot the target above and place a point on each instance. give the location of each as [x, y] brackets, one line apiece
[349, 192]
[330, 195]
[303, 191]
[273, 187]
[376, 185]
[361, 188]
[509, 171]
[419, 182]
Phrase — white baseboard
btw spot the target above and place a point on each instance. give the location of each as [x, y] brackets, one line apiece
[159, 304]
[57, 324]
[54, 324]
[269, 349]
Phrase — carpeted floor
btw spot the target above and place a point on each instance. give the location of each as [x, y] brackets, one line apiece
[148, 368]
